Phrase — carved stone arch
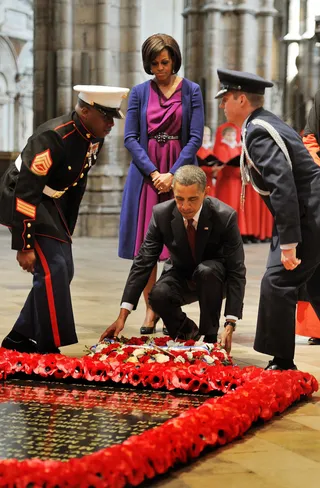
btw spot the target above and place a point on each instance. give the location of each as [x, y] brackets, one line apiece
[8, 79]
[24, 96]
[8, 63]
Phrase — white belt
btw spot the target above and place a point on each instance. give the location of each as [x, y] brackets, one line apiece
[50, 192]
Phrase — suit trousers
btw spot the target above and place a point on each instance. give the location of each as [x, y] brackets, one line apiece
[172, 291]
[47, 315]
[279, 292]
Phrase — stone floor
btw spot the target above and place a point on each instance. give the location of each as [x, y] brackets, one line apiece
[285, 453]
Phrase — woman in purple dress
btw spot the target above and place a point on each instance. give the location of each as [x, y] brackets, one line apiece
[163, 131]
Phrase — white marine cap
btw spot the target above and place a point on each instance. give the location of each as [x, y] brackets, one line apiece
[106, 99]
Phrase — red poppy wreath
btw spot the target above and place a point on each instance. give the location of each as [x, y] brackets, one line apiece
[236, 398]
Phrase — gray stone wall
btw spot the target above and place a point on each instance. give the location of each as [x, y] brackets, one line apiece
[99, 41]
[234, 34]
[16, 77]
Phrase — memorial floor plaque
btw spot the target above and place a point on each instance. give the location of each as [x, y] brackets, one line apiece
[59, 421]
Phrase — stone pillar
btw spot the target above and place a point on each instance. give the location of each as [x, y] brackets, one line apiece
[247, 33]
[265, 18]
[212, 57]
[117, 64]
[42, 21]
[193, 39]
[63, 47]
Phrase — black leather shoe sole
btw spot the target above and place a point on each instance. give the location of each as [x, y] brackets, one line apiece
[50, 351]
[21, 346]
[275, 367]
[210, 338]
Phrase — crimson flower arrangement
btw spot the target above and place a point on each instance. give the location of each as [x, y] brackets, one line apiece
[248, 395]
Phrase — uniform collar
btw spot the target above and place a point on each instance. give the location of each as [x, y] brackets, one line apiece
[82, 129]
[254, 114]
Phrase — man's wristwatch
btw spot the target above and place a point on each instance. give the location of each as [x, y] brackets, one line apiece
[229, 322]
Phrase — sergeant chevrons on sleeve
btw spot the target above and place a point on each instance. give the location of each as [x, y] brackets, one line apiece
[41, 192]
[42, 163]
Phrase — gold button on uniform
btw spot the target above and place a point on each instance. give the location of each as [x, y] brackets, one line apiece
[86, 165]
[28, 224]
[75, 184]
[82, 175]
[69, 168]
[28, 236]
[88, 136]
[28, 246]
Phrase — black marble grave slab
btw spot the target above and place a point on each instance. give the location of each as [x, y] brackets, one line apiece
[58, 421]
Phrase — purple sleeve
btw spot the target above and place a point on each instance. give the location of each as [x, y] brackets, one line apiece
[132, 136]
[188, 153]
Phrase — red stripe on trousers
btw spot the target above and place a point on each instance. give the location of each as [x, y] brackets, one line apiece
[50, 297]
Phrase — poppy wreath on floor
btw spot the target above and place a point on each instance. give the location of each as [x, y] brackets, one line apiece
[249, 394]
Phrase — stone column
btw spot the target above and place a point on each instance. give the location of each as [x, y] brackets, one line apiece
[63, 47]
[265, 18]
[193, 39]
[246, 38]
[42, 21]
[116, 38]
[212, 57]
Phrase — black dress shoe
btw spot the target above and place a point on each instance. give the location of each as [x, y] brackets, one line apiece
[26, 345]
[165, 330]
[210, 338]
[191, 334]
[314, 341]
[273, 366]
[149, 329]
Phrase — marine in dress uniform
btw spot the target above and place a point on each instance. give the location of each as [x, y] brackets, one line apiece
[40, 196]
[279, 167]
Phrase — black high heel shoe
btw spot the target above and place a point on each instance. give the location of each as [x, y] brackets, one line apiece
[149, 329]
[314, 341]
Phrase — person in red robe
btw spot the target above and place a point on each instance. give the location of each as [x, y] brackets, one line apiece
[307, 322]
[255, 221]
[207, 161]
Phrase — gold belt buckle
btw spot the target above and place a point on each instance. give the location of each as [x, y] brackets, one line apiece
[58, 193]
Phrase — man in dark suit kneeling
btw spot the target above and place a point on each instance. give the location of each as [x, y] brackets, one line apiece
[206, 263]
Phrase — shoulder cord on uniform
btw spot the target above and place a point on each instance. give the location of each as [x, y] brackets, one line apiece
[245, 170]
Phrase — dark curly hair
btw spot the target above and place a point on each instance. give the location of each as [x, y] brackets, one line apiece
[153, 46]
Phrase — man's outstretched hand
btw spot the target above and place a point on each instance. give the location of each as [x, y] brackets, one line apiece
[114, 330]
[226, 338]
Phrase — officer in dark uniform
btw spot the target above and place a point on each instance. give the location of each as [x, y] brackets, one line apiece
[40, 195]
[275, 161]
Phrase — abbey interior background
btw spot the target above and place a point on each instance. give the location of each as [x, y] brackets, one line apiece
[47, 46]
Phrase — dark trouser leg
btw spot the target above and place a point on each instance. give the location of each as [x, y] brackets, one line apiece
[47, 315]
[166, 298]
[25, 323]
[277, 308]
[209, 277]
[313, 291]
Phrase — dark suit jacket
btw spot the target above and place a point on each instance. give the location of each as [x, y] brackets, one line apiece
[294, 192]
[218, 238]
